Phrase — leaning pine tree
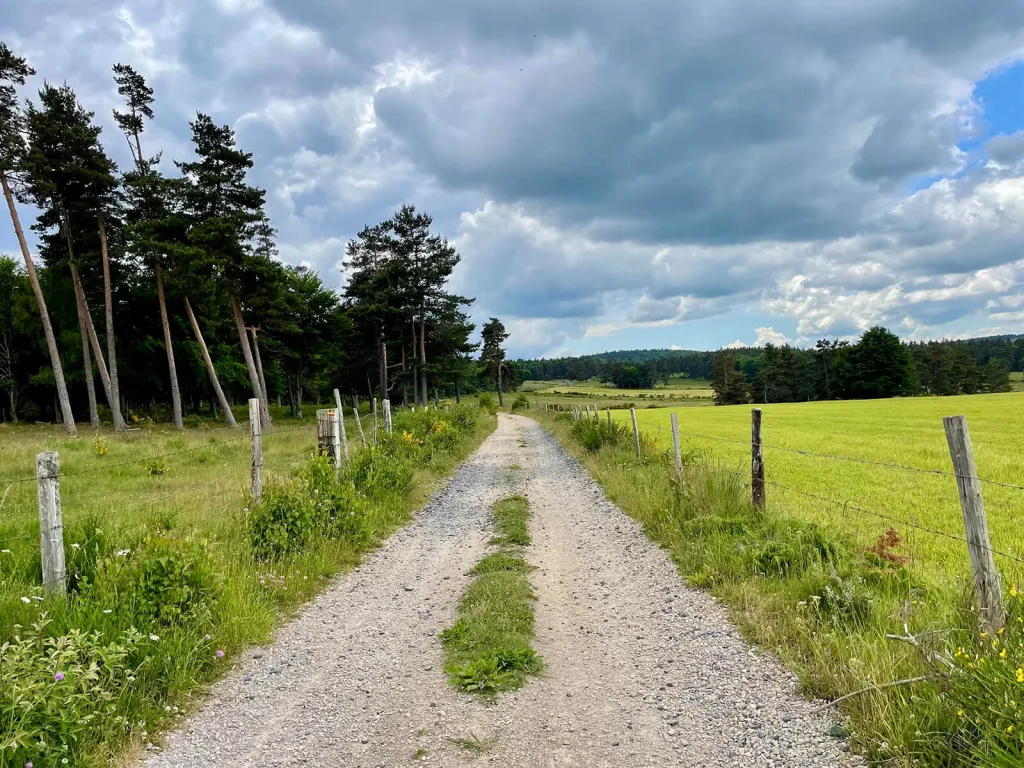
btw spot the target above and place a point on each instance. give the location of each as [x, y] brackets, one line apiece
[13, 72]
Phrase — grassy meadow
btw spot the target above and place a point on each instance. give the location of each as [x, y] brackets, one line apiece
[827, 588]
[172, 570]
[904, 431]
[679, 390]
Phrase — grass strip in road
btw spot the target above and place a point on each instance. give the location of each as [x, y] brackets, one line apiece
[487, 649]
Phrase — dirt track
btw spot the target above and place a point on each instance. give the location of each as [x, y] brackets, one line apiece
[641, 670]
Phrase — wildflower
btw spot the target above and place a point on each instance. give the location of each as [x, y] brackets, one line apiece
[219, 654]
[58, 677]
[960, 713]
[123, 552]
[154, 638]
[1009, 729]
[25, 600]
[1020, 675]
[38, 597]
[206, 637]
[107, 610]
[1002, 654]
[76, 545]
[1013, 591]
[5, 551]
[28, 765]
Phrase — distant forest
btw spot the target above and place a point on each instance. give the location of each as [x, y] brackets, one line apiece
[878, 364]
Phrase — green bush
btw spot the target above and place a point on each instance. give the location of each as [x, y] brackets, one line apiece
[487, 403]
[792, 546]
[282, 522]
[381, 470]
[160, 582]
[58, 694]
[520, 403]
[594, 433]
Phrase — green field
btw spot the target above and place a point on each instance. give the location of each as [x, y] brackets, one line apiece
[677, 389]
[901, 431]
[1017, 381]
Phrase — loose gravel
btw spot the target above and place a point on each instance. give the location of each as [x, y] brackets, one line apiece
[640, 669]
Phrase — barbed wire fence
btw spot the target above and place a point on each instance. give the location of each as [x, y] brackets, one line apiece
[328, 436]
[974, 537]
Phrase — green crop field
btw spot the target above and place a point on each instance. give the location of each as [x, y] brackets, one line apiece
[678, 389]
[901, 431]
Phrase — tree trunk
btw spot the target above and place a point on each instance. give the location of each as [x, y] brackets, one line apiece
[12, 392]
[293, 397]
[458, 390]
[94, 340]
[423, 355]
[382, 359]
[171, 368]
[108, 307]
[415, 366]
[250, 363]
[501, 400]
[90, 385]
[51, 339]
[259, 369]
[229, 417]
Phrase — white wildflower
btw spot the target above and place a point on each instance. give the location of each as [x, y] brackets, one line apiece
[25, 600]
[154, 638]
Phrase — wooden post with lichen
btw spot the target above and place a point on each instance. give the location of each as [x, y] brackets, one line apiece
[676, 447]
[51, 525]
[757, 485]
[636, 432]
[983, 564]
[326, 435]
[256, 432]
[341, 424]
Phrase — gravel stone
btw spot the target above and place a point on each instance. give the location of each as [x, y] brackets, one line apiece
[640, 669]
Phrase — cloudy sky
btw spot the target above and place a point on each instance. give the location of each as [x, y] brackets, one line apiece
[615, 173]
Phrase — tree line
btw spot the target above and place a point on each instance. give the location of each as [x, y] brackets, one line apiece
[877, 365]
[628, 369]
[197, 310]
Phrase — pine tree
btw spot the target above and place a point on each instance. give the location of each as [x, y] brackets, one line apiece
[13, 72]
[70, 179]
[492, 353]
[147, 201]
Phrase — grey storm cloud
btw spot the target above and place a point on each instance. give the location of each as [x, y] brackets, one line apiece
[654, 160]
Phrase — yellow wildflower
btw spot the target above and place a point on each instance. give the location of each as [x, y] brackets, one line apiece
[1009, 729]
[1002, 654]
[1013, 591]
[1020, 675]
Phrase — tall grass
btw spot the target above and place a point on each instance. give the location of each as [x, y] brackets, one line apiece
[826, 603]
[163, 595]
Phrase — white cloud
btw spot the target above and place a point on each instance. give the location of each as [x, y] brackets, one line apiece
[769, 336]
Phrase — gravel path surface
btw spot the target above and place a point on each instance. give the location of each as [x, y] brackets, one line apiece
[641, 670]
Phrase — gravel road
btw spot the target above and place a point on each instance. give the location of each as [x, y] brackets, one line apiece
[641, 670]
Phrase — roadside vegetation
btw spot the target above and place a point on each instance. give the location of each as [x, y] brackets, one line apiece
[849, 615]
[164, 592]
[487, 649]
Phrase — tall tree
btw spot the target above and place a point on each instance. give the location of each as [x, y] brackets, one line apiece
[492, 353]
[224, 210]
[729, 383]
[13, 72]
[71, 180]
[148, 205]
[881, 365]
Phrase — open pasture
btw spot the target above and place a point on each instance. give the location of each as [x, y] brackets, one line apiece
[858, 496]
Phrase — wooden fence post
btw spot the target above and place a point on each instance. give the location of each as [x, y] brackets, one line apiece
[675, 446]
[986, 576]
[757, 484]
[359, 424]
[636, 432]
[387, 415]
[609, 412]
[326, 435]
[256, 431]
[51, 525]
[341, 424]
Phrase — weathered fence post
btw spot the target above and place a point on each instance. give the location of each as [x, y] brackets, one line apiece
[986, 576]
[636, 432]
[375, 421]
[51, 526]
[609, 412]
[341, 424]
[387, 416]
[326, 435]
[757, 485]
[256, 431]
[675, 446]
[359, 424]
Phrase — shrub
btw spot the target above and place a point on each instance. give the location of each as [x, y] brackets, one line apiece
[282, 521]
[487, 403]
[792, 547]
[378, 471]
[520, 403]
[161, 581]
[57, 694]
[594, 433]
